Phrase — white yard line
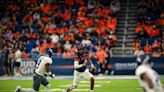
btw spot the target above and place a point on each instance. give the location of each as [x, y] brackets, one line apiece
[81, 85]
[97, 81]
[75, 90]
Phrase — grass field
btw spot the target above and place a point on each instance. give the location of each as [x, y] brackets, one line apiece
[113, 85]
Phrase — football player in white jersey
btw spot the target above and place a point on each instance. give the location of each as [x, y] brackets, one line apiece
[42, 70]
[80, 61]
[148, 78]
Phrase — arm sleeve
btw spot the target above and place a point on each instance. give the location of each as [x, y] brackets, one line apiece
[77, 65]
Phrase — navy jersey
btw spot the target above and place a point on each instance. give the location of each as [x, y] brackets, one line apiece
[81, 59]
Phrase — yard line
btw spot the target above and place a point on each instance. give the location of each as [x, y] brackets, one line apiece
[52, 90]
[80, 85]
[103, 82]
[75, 90]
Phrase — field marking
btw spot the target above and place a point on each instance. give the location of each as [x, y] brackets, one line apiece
[81, 85]
[75, 90]
[78, 90]
[98, 81]
[54, 89]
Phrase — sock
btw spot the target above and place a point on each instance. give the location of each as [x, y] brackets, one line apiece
[27, 90]
[91, 91]
[47, 88]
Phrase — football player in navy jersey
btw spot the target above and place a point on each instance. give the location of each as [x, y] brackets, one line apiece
[148, 78]
[80, 61]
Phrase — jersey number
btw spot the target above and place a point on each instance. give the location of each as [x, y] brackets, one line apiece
[38, 63]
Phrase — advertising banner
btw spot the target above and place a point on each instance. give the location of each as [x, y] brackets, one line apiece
[116, 65]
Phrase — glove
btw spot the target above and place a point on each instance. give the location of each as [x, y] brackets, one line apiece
[52, 75]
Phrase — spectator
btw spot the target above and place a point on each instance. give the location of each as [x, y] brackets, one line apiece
[67, 45]
[44, 45]
[68, 54]
[140, 30]
[147, 48]
[111, 23]
[136, 45]
[139, 52]
[18, 60]
[74, 21]
[101, 55]
[107, 69]
[36, 49]
[156, 45]
[6, 61]
[115, 6]
[86, 41]
[157, 53]
[149, 26]
[25, 55]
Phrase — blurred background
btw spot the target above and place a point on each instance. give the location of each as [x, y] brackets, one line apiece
[113, 33]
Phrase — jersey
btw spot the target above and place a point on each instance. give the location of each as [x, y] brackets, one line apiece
[81, 59]
[40, 66]
[153, 75]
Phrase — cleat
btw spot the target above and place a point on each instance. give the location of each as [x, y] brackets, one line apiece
[64, 90]
[18, 89]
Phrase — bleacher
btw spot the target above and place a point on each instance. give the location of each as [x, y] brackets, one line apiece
[32, 26]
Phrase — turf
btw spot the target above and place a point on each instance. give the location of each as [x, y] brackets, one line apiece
[57, 85]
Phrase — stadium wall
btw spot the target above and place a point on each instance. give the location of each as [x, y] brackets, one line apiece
[62, 66]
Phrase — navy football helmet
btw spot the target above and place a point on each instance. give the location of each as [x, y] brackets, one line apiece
[143, 59]
[49, 52]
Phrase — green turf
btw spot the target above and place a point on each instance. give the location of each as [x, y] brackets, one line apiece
[101, 85]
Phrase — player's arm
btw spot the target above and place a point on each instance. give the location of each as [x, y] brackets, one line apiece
[147, 79]
[93, 68]
[48, 72]
[77, 65]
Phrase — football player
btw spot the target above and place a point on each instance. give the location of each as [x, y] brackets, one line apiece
[42, 70]
[80, 64]
[148, 78]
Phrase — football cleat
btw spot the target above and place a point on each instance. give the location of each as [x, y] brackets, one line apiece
[18, 89]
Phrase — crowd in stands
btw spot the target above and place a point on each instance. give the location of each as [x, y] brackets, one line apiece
[34, 25]
[150, 27]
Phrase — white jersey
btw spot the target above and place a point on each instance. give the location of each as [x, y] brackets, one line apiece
[18, 55]
[153, 75]
[40, 66]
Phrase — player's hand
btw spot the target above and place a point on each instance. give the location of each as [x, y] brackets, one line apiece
[47, 74]
[85, 63]
[52, 75]
[93, 69]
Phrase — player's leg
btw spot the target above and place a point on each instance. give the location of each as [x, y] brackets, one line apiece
[144, 89]
[19, 89]
[46, 84]
[88, 76]
[36, 84]
[76, 80]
